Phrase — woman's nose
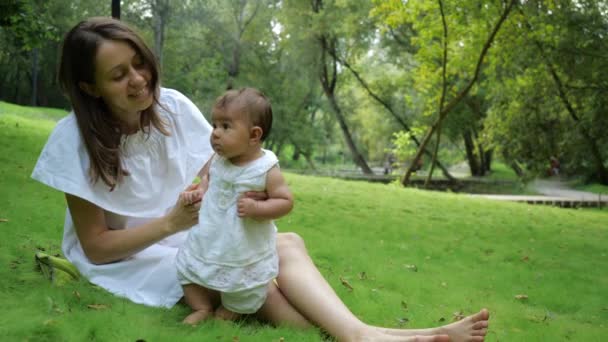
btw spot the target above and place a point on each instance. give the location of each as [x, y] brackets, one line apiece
[137, 77]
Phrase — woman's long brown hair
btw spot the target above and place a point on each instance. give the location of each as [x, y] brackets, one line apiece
[99, 129]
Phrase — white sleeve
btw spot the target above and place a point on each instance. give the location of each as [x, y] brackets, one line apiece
[192, 128]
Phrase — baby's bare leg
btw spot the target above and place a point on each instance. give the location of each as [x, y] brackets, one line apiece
[200, 300]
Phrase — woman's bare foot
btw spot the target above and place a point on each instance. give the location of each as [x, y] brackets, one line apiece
[372, 334]
[472, 328]
[197, 316]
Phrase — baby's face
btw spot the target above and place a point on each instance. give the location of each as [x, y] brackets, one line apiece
[231, 133]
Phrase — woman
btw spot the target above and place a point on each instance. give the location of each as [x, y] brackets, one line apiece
[122, 158]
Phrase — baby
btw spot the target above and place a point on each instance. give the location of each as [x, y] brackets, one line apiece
[232, 251]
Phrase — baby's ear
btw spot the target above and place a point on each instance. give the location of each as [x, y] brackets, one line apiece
[255, 135]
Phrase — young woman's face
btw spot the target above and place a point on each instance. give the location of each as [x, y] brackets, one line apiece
[231, 134]
[122, 81]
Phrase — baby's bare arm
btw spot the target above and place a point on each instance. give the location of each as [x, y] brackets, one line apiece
[278, 204]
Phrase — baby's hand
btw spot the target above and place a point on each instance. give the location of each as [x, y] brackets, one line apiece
[190, 197]
[246, 207]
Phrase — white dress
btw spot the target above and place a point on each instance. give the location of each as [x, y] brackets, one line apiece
[225, 252]
[160, 168]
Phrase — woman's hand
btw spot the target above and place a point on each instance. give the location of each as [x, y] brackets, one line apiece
[185, 212]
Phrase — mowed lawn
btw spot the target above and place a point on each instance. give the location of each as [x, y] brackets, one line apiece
[413, 259]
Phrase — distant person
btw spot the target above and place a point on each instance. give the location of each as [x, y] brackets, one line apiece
[122, 158]
[389, 162]
[232, 252]
[554, 166]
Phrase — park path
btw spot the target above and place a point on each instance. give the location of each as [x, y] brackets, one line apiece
[556, 187]
[554, 191]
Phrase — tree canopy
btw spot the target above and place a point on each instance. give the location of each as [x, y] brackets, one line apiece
[358, 82]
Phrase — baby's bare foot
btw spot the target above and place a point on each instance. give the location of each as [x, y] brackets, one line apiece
[196, 317]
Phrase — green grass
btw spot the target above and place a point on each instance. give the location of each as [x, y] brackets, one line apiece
[469, 253]
[32, 112]
[595, 188]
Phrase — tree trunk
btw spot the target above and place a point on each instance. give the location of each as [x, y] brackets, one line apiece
[161, 12]
[116, 9]
[35, 53]
[469, 146]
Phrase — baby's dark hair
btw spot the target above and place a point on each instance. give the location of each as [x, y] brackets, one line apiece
[252, 103]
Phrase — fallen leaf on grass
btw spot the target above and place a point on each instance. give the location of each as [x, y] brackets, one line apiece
[457, 316]
[3, 220]
[412, 268]
[97, 306]
[346, 283]
[403, 321]
[235, 339]
[362, 276]
[521, 297]
[525, 258]
[77, 294]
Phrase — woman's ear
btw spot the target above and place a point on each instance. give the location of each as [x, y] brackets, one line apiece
[255, 134]
[88, 88]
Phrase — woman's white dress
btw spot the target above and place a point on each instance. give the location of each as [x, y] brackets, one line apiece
[160, 168]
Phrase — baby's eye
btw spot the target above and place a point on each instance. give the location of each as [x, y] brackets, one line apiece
[214, 126]
[225, 126]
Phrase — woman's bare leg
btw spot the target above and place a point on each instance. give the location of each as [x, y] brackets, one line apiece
[278, 311]
[307, 290]
[471, 328]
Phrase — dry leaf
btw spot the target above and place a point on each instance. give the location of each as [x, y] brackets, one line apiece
[521, 297]
[525, 258]
[3, 220]
[402, 321]
[362, 276]
[281, 339]
[346, 284]
[97, 306]
[235, 339]
[457, 316]
[77, 294]
[412, 268]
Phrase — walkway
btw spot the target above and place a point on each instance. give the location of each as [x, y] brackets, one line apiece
[555, 192]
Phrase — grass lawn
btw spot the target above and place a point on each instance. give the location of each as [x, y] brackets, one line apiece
[469, 253]
[594, 188]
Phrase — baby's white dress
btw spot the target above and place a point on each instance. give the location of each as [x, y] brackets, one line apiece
[160, 168]
[225, 252]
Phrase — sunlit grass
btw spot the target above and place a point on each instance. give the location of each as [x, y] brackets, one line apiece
[468, 253]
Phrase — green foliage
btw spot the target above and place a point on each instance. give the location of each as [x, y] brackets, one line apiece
[516, 108]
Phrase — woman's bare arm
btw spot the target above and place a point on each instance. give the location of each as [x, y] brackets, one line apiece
[104, 245]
